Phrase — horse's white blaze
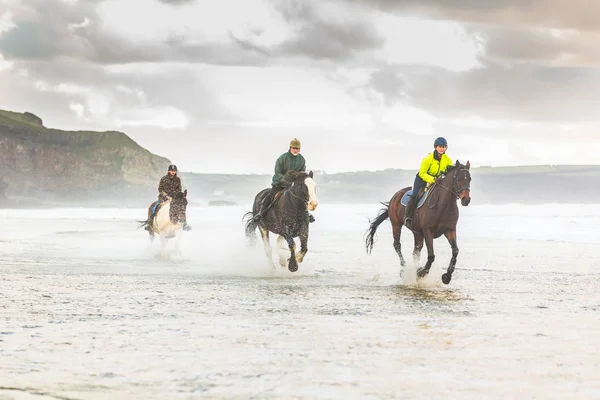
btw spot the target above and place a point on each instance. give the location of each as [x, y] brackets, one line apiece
[312, 194]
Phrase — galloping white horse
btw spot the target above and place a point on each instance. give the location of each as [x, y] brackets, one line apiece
[168, 222]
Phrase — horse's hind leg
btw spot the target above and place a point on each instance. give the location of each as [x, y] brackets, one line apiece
[421, 272]
[396, 230]
[451, 236]
[264, 234]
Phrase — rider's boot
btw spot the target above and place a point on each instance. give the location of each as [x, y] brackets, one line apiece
[410, 208]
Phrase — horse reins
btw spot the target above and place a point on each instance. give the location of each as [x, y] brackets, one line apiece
[456, 193]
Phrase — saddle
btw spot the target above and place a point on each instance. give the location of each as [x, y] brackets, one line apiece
[421, 197]
[157, 205]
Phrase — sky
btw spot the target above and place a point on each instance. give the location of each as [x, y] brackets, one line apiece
[223, 86]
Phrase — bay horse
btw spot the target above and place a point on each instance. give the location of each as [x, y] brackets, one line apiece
[437, 215]
[168, 221]
[287, 217]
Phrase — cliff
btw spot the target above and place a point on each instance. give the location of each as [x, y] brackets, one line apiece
[50, 166]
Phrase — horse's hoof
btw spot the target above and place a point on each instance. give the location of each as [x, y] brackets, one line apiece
[446, 278]
[293, 268]
[421, 272]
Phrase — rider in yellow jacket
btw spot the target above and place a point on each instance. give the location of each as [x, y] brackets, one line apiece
[433, 165]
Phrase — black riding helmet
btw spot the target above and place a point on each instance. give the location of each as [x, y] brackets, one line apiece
[173, 167]
[440, 142]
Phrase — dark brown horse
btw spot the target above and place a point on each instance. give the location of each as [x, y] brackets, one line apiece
[287, 216]
[437, 216]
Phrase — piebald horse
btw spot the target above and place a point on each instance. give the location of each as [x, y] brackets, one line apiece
[168, 221]
[287, 217]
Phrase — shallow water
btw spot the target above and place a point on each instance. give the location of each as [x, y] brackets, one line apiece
[89, 312]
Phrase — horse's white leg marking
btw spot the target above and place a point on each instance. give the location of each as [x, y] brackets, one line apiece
[267, 245]
[282, 245]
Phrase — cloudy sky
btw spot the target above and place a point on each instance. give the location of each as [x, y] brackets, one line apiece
[223, 86]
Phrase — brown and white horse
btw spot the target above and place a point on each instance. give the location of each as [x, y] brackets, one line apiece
[169, 221]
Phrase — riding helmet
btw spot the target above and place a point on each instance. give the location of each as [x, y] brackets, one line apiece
[440, 142]
[172, 167]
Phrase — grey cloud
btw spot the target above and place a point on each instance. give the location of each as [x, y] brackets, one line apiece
[318, 38]
[540, 46]
[46, 30]
[177, 2]
[175, 86]
[509, 92]
[516, 30]
[390, 83]
[575, 14]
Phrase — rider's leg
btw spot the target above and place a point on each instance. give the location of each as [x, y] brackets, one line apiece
[412, 202]
[151, 214]
[266, 202]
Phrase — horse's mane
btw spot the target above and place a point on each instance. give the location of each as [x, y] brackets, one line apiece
[292, 176]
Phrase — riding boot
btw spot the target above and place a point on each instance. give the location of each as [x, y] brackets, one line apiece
[410, 208]
[186, 227]
[311, 218]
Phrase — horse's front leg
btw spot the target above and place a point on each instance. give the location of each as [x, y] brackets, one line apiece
[177, 242]
[303, 244]
[428, 236]
[451, 236]
[264, 234]
[417, 248]
[292, 263]
[163, 247]
[282, 246]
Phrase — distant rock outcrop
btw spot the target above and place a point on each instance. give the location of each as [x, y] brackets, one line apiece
[51, 166]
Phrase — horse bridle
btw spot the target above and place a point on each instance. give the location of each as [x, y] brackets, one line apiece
[454, 178]
[293, 195]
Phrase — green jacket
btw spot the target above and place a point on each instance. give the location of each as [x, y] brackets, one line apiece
[286, 162]
[432, 168]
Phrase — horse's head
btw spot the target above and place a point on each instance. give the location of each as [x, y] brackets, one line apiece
[178, 207]
[461, 181]
[302, 185]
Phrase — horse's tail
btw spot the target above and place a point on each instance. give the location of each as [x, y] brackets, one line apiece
[143, 223]
[250, 227]
[382, 216]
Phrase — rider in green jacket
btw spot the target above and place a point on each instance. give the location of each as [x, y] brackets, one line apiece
[291, 160]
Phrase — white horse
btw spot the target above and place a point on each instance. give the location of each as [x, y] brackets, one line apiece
[168, 222]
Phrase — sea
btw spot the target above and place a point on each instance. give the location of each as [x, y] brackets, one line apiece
[90, 308]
